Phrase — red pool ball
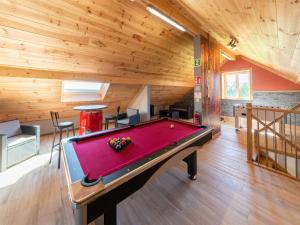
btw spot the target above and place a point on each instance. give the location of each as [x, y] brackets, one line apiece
[172, 126]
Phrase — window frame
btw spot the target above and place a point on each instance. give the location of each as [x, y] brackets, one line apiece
[80, 90]
[236, 72]
[70, 95]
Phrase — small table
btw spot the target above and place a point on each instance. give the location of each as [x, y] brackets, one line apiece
[91, 118]
[99, 177]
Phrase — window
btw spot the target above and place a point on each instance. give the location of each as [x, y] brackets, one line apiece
[236, 85]
[75, 86]
[79, 91]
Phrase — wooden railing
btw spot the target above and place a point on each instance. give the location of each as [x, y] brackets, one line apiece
[273, 138]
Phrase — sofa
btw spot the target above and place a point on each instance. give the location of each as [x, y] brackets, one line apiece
[168, 113]
[17, 143]
[131, 117]
[185, 111]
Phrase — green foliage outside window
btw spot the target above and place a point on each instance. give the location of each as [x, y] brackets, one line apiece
[237, 85]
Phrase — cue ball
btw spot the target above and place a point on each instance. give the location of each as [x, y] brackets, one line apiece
[172, 126]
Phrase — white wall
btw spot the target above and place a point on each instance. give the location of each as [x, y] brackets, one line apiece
[142, 102]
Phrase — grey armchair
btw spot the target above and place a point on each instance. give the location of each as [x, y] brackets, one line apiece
[17, 143]
[131, 117]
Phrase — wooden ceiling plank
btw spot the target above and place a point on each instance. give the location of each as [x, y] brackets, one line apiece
[29, 35]
[18, 23]
[288, 30]
[72, 75]
[117, 37]
[166, 7]
[266, 17]
[254, 24]
[33, 49]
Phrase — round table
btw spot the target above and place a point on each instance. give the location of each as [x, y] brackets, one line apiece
[91, 118]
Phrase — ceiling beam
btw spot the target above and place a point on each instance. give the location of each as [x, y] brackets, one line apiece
[7, 71]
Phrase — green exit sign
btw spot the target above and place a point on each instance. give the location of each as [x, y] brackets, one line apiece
[197, 62]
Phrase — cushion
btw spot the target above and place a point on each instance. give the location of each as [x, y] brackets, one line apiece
[10, 128]
[123, 121]
[131, 112]
[20, 139]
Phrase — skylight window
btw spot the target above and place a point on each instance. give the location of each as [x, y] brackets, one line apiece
[78, 86]
[78, 91]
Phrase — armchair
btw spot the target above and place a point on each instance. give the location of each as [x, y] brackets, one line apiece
[17, 143]
[131, 117]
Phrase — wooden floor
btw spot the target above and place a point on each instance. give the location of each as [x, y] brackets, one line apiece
[227, 191]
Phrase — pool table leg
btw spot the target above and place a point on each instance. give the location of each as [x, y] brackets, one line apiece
[110, 216]
[191, 162]
[80, 215]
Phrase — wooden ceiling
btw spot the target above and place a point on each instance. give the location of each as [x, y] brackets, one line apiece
[110, 41]
[118, 41]
[268, 31]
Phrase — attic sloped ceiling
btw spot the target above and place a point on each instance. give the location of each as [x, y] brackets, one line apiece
[111, 41]
[268, 31]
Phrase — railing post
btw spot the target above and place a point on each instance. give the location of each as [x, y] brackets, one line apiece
[256, 145]
[249, 132]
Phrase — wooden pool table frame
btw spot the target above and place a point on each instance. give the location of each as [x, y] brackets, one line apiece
[89, 203]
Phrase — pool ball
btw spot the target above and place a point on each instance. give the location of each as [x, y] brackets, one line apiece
[172, 126]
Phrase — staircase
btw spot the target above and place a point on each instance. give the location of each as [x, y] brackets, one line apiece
[274, 142]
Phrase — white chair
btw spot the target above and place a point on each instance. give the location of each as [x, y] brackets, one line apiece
[17, 143]
[132, 117]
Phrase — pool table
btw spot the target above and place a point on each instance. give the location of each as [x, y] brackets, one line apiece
[99, 177]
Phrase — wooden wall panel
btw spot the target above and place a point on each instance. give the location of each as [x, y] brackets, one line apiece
[167, 95]
[117, 40]
[32, 99]
[211, 84]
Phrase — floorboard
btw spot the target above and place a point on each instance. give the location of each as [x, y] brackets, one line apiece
[228, 191]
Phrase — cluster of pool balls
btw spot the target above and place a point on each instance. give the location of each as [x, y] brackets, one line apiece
[119, 143]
